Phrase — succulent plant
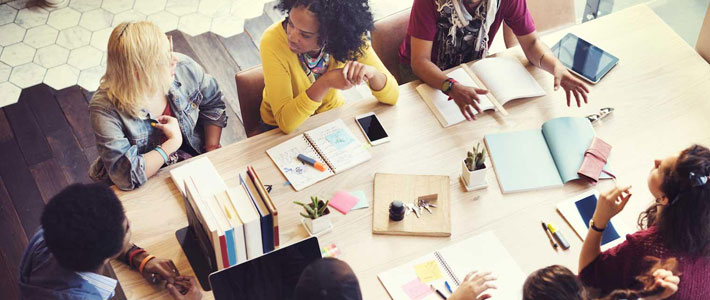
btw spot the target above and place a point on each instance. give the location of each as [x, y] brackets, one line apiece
[315, 209]
[476, 160]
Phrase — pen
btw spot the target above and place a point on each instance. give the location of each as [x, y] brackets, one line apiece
[558, 236]
[547, 233]
[438, 292]
[448, 287]
[312, 162]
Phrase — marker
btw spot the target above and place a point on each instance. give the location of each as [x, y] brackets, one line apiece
[312, 162]
[558, 236]
[448, 287]
[547, 233]
[438, 292]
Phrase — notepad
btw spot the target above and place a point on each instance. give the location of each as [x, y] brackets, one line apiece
[539, 158]
[578, 210]
[362, 200]
[505, 78]
[332, 144]
[343, 202]
[483, 252]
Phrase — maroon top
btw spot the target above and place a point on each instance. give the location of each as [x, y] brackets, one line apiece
[424, 16]
[617, 267]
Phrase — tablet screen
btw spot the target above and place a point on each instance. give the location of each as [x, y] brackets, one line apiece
[586, 209]
[584, 58]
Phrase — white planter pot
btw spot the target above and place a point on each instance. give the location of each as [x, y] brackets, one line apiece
[319, 225]
[473, 179]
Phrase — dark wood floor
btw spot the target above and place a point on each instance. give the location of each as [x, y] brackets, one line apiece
[47, 142]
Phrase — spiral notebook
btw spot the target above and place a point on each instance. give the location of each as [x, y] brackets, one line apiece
[483, 252]
[332, 144]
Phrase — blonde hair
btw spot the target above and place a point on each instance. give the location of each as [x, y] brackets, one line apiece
[137, 65]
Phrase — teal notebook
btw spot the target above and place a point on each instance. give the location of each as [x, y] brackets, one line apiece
[540, 158]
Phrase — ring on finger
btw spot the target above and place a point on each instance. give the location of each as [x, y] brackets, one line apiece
[153, 279]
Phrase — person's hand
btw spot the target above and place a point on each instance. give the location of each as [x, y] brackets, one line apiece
[474, 285]
[184, 288]
[158, 269]
[572, 85]
[610, 204]
[465, 98]
[338, 79]
[358, 73]
[667, 281]
[171, 129]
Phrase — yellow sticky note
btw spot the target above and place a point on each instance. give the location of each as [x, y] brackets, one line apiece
[428, 271]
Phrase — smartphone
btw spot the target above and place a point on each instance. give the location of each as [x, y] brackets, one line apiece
[583, 58]
[372, 128]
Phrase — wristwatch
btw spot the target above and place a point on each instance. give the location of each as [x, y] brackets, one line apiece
[447, 85]
[592, 226]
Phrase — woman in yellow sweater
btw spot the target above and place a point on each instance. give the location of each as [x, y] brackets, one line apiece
[319, 49]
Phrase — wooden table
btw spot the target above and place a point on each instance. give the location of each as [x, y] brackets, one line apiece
[659, 90]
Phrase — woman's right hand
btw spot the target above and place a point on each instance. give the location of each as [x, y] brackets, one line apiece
[338, 79]
[610, 204]
[474, 285]
[171, 129]
[465, 98]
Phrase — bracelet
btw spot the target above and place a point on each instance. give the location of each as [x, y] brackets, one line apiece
[144, 262]
[162, 153]
[124, 258]
[133, 254]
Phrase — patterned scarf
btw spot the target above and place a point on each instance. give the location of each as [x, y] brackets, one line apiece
[314, 66]
[458, 40]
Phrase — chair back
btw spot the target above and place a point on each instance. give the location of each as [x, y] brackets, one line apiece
[387, 37]
[250, 88]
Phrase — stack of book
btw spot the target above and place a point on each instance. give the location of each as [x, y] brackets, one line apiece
[232, 224]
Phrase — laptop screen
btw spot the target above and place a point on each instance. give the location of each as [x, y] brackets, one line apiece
[268, 277]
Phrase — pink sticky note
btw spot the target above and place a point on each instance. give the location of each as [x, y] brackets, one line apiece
[343, 202]
[416, 290]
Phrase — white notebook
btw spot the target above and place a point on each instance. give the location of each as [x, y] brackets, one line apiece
[332, 144]
[483, 252]
[505, 78]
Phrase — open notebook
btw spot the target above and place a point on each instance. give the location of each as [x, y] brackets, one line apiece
[539, 158]
[332, 144]
[483, 252]
[505, 78]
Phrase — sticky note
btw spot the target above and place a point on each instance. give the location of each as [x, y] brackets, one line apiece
[416, 290]
[362, 200]
[343, 202]
[428, 271]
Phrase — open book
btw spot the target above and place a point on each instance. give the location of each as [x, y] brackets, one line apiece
[332, 144]
[505, 78]
[482, 253]
[539, 158]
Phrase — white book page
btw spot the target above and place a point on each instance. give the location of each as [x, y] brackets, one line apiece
[338, 146]
[396, 280]
[506, 78]
[444, 109]
[300, 175]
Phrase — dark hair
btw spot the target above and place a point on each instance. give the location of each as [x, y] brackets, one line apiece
[343, 24]
[683, 224]
[83, 226]
[328, 279]
[554, 283]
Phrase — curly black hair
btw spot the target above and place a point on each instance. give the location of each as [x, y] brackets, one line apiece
[83, 226]
[344, 24]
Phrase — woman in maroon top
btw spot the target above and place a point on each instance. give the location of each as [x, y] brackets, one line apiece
[676, 225]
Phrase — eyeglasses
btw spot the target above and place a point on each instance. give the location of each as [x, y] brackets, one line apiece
[603, 113]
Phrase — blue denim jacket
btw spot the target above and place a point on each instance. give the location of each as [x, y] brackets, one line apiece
[121, 140]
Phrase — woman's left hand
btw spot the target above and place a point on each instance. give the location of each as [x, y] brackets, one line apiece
[572, 85]
[158, 269]
[358, 73]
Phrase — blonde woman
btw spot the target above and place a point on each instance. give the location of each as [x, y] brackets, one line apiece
[153, 107]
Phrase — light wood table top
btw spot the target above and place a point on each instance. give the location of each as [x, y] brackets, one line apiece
[659, 90]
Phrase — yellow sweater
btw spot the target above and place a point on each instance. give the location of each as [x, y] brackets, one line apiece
[286, 103]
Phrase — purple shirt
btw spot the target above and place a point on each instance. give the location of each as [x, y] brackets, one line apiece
[424, 16]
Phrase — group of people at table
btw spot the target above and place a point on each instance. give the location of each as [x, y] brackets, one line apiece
[155, 107]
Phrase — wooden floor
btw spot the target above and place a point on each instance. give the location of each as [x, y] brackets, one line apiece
[47, 142]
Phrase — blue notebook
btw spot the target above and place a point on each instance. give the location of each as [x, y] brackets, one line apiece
[540, 158]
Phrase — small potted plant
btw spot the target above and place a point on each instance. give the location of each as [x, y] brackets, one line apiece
[317, 215]
[474, 168]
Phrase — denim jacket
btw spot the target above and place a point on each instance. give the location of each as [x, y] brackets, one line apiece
[121, 140]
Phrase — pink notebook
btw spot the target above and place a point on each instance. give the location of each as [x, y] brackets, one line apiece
[343, 202]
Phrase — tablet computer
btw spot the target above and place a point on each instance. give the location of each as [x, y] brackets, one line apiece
[269, 277]
[579, 209]
[581, 57]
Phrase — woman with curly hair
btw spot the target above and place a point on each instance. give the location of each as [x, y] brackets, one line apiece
[676, 225]
[320, 48]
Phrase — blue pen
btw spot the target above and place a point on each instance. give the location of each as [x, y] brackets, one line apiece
[448, 287]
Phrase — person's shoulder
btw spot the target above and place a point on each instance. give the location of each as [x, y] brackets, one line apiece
[644, 236]
[274, 37]
[100, 100]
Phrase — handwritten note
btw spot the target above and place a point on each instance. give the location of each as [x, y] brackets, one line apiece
[340, 139]
[428, 271]
[299, 174]
[416, 290]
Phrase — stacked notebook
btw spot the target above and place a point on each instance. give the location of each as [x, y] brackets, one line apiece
[233, 224]
[332, 144]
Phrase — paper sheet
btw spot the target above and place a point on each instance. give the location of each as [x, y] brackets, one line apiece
[428, 271]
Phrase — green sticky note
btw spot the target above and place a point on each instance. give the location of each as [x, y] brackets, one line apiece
[362, 200]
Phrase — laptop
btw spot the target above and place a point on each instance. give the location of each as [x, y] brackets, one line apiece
[269, 277]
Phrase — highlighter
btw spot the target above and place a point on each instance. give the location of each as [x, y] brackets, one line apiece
[312, 162]
[558, 236]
